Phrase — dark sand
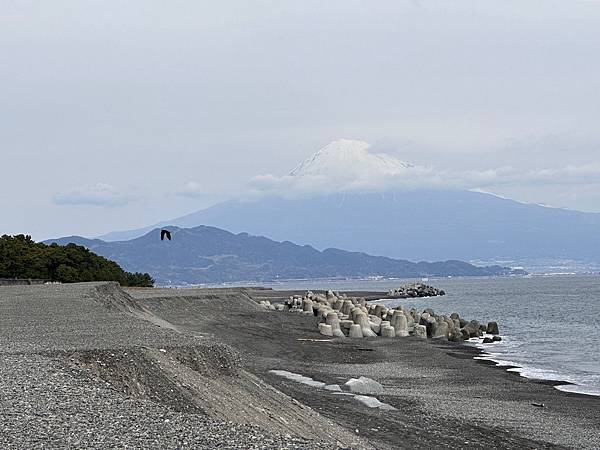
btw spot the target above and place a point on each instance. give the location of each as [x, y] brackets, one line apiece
[444, 398]
[89, 366]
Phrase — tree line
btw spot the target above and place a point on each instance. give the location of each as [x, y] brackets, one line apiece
[22, 257]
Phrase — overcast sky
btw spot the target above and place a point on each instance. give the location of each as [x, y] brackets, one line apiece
[115, 115]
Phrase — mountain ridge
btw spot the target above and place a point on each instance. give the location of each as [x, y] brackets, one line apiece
[206, 254]
[415, 225]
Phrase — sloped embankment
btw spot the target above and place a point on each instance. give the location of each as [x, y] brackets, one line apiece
[207, 377]
[435, 387]
[102, 370]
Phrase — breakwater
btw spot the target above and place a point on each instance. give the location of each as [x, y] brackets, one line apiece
[342, 316]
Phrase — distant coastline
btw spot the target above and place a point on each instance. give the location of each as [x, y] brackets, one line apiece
[211, 255]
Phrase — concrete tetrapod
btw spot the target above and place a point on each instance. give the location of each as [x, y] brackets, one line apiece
[388, 331]
[472, 328]
[492, 328]
[347, 307]
[428, 322]
[325, 329]
[346, 324]
[410, 321]
[365, 325]
[421, 331]
[401, 326]
[394, 318]
[323, 310]
[439, 330]
[355, 312]
[355, 331]
[334, 321]
[375, 323]
[377, 310]
[307, 306]
[340, 316]
[454, 334]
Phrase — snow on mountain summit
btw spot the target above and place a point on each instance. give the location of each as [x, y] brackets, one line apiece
[344, 165]
[349, 158]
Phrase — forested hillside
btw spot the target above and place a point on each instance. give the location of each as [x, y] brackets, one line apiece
[21, 257]
[211, 255]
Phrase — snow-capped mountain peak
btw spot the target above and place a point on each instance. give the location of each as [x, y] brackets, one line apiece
[349, 158]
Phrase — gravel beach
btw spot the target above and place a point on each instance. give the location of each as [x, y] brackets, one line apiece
[92, 365]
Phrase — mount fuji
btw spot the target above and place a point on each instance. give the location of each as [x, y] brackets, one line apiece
[344, 165]
[346, 197]
[349, 157]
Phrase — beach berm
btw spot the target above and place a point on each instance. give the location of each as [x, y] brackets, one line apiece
[97, 366]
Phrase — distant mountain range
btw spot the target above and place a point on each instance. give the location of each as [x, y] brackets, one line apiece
[415, 225]
[361, 207]
[210, 255]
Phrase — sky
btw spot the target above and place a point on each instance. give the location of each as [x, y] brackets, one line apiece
[116, 115]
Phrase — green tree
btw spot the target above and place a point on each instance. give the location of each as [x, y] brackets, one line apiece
[21, 257]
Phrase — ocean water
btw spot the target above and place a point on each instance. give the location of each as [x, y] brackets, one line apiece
[550, 325]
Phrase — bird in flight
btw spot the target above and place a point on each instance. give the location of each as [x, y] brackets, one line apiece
[165, 234]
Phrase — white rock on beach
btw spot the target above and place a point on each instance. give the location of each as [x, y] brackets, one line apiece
[364, 385]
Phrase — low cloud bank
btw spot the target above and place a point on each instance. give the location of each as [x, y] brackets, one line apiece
[98, 194]
[359, 170]
[191, 189]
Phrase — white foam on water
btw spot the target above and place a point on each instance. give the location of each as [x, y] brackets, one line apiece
[494, 357]
[538, 374]
[576, 389]
[573, 382]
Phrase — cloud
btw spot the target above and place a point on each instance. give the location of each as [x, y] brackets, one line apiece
[99, 194]
[345, 168]
[514, 176]
[192, 189]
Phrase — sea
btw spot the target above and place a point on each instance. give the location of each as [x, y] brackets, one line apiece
[550, 325]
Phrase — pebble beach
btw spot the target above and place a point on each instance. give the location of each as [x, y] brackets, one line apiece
[97, 366]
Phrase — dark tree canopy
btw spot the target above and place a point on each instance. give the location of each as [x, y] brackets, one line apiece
[21, 257]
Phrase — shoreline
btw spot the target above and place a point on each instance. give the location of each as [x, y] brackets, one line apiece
[138, 356]
[416, 372]
[483, 358]
[485, 353]
[512, 354]
[514, 368]
[276, 284]
[480, 356]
